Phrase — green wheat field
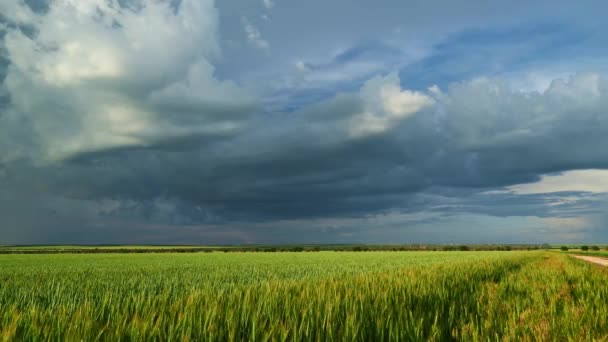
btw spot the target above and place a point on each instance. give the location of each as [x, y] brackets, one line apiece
[289, 296]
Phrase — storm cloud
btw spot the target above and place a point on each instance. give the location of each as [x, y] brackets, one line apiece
[155, 122]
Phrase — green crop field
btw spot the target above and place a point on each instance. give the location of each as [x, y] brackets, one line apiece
[349, 296]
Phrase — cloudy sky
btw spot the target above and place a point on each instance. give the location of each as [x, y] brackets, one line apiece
[284, 121]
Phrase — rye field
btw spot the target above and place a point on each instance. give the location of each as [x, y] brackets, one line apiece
[290, 296]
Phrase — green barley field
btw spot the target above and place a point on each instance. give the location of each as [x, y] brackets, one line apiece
[344, 296]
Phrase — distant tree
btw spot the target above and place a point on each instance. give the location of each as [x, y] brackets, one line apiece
[595, 248]
[463, 248]
[546, 246]
[584, 248]
[564, 248]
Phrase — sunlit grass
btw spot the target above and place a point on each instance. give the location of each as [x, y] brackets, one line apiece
[302, 296]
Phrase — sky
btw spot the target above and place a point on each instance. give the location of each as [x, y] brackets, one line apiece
[283, 121]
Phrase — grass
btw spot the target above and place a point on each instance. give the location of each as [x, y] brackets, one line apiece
[75, 248]
[302, 296]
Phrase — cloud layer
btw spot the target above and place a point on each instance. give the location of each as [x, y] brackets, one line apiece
[119, 122]
[96, 75]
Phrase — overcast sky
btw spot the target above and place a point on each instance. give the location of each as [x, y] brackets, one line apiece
[284, 121]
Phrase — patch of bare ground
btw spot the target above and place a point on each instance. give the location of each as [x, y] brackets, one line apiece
[592, 259]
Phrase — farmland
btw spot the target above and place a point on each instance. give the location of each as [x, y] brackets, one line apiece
[302, 296]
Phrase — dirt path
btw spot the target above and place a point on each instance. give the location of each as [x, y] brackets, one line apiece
[593, 259]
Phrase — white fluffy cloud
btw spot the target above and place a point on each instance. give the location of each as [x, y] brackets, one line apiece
[483, 114]
[94, 73]
[386, 104]
[377, 109]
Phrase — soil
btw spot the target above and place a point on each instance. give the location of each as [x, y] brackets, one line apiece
[593, 259]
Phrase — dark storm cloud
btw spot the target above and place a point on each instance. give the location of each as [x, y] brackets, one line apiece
[307, 164]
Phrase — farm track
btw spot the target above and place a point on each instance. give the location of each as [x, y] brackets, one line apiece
[592, 259]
